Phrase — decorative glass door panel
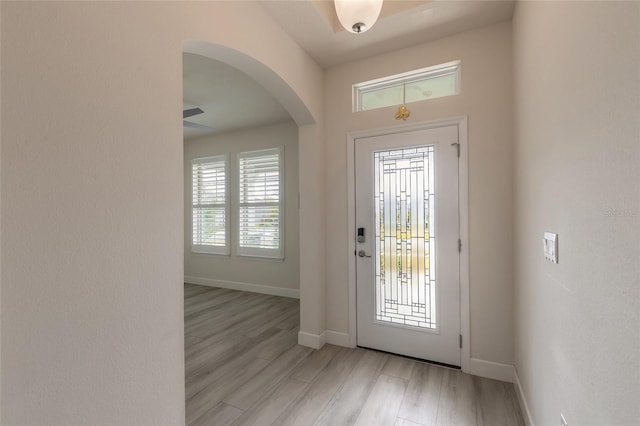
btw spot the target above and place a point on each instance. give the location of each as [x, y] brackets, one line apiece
[406, 239]
[404, 197]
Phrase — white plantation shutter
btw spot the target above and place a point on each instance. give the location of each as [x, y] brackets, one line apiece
[260, 203]
[210, 208]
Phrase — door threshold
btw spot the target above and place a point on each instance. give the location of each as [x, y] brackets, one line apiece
[441, 364]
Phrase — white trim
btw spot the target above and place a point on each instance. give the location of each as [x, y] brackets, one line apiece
[253, 288]
[338, 338]
[351, 243]
[491, 370]
[315, 341]
[524, 407]
[463, 188]
[465, 280]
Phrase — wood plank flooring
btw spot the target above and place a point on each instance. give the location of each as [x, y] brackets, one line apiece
[244, 367]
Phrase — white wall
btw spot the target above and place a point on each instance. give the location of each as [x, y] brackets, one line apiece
[92, 198]
[0, 218]
[312, 232]
[486, 99]
[577, 169]
[271, 276]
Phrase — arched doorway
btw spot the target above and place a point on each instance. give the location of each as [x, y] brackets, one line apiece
[312, 273]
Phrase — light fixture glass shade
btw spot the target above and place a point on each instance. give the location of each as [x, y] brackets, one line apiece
[357, 16]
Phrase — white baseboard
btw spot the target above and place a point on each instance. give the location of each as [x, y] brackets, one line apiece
[524, 407]
[506, 373]
[491, 370]
[338, 338]
[315, 341]
[254, 288]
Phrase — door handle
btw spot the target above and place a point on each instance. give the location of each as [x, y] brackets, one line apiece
[362, 253]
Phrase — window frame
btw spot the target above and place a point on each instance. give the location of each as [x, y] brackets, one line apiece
[210, 248]
[266, 253]
[408, 77]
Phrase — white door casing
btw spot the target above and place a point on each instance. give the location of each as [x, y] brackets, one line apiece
[412, 308]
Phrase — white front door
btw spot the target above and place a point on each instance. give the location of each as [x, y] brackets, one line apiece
[407, 231]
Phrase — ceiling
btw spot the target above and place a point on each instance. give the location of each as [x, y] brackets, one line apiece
[231, 100]
[315, 26]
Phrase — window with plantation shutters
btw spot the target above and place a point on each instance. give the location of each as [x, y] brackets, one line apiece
[260, 207]
[210, 207]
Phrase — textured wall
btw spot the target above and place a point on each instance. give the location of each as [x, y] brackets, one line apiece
[577, 167]
[92, 198]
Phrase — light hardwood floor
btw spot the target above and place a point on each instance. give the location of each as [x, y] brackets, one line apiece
[244, 367]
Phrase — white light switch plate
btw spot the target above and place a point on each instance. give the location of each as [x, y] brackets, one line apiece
[550, 243]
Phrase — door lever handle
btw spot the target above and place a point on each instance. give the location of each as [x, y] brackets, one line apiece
[362, 253]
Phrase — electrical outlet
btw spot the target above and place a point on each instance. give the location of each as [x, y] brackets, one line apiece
[563, 421]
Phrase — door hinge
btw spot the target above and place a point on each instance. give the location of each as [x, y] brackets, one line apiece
[457, 145]
[460, 341]
[459, 245]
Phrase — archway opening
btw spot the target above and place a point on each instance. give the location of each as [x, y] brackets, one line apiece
[229, 269]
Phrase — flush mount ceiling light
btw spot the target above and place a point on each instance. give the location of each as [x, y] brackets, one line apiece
[357, 16]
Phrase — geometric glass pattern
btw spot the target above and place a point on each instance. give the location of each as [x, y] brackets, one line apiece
[405, 292]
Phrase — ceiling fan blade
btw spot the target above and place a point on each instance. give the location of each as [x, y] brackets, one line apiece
[191, 112]
[196, 125]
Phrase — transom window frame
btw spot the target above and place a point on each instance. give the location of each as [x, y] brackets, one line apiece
[266, 253]
[396, 80]
[211, 248]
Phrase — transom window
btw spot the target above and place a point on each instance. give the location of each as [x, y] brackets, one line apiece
[418, 85]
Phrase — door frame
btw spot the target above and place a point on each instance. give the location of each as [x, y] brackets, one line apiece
[463, 202]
